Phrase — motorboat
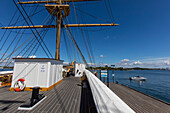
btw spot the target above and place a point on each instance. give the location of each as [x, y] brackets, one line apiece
[139, 78]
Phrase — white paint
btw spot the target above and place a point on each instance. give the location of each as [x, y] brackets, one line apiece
[37, 72]
[79, 69]
[105, 100]
[24, 108]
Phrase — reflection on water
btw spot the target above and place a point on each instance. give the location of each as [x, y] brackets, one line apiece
[139, 82]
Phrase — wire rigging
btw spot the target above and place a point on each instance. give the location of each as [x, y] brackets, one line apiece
[31, 29]
[68, 53]
[30, 11]
[78, 9]
[32, 40]
[45, 32]
[88, 42]
[7, 63]
[8, 25]
[29, 16]
[16, 49]
[110, 15]
[82, 34]
[110, 10]
[9, 32]
[75, 43]
[70, 40]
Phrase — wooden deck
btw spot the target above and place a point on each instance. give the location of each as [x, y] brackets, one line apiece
[71, 96]
[63, 98]
[139, 102]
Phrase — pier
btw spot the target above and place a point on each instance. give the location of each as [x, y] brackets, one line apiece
[139, 102]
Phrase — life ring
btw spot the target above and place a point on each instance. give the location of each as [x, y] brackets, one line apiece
[19, 85]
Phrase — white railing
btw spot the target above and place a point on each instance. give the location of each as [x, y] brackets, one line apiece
[105, 100]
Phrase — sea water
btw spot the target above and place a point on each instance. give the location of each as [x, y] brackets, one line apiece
[156, 85]
[6, 69]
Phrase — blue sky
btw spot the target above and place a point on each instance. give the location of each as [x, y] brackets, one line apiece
[142, 38]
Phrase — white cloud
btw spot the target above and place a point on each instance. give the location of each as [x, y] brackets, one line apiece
[161, 62]
[125, 60]
[92, 64]
[33, 56]
[107, 37]
[137, 63]
[166, 62]
[125, 64]
[101, 56]
[19, 56]
[66, 63]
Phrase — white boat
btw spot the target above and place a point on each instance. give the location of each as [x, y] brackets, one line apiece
[138, 78]
[6, 72]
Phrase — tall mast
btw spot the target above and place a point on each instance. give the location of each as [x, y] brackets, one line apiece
[59, 16]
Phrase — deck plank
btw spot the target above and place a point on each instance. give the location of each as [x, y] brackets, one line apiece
[64, 97]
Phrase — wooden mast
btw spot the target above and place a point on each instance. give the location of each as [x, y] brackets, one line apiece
[59, 16]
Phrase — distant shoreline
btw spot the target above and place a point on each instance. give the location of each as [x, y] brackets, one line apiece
[4, 68]
[125, 69]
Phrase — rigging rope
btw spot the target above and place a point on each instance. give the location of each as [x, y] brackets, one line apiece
[88, 42]
[82, 34]
[69, 37]
[7, 63]
[29, 47]
[50, 21]
[31, 29]
[8, 25]
[68, 53]
[110, 10]
[75, 43]
[43, 35]
[30, 11]
[110, 15]
[91, 15]
[16, 49]
[70, 40]
[29, 16]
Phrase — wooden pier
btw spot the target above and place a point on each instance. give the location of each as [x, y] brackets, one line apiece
[139, 102]
[67, 97]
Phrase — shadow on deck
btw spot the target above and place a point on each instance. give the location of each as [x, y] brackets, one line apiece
[70, 96]
[87, 103]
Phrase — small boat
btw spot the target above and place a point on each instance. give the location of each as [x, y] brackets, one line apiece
[139, 78]
[6, 72]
